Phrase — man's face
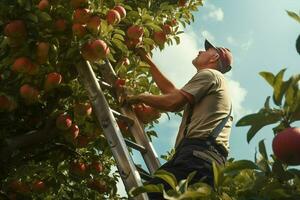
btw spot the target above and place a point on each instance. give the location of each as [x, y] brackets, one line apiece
[204, 57]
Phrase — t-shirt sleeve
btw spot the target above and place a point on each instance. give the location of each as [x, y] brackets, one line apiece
[200, 85]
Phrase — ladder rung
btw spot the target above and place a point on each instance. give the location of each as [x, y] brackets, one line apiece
[135, 146]
[122, 117]
[105, 85]
[144, 175]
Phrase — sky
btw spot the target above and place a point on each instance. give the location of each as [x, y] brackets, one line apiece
[261, 37]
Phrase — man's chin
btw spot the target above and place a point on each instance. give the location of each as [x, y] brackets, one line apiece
[194, 62]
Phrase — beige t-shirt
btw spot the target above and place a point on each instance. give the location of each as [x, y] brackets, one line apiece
[211, 105]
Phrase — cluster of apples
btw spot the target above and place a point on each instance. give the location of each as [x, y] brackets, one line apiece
[21, 187]
[95, 49]
[64, 122]
[80, 169]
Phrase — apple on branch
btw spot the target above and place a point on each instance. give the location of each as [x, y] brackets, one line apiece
[113, 17]
[286, 146]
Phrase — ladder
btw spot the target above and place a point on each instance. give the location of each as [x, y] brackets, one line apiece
[131, 174]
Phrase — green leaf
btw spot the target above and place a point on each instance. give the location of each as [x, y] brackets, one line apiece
[153, 26]
[298, 44]
[279, 87]
[292, 92]
[239, 165]
[167, 176]
[118, 36]
[119, 44]
[294, 15]
[268, 76]
[43, 16]
[148, 41]
[218, 175]
[296, 113]
[195, 194]
[267, 103]
[146, 188]
[263, 162]
[258, 120]
[262, 150]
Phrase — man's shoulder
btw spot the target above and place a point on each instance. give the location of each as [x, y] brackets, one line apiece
[209, 73]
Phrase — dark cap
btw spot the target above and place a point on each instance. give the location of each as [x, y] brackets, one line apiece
[225, 56]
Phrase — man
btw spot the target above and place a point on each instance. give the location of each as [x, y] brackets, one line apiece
[204, 131]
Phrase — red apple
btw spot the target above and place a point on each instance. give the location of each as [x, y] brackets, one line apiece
[121, 10]
[167, 29]
[18, 186]
[95, 50]
[29, 93]
[15, 29]
[101, 48]
[88, 53]
[22, 64]
[286, 146]
[122, 125]
[78, 168]
[160, 37]
[135, 32]
[98, 185]
[146, 113]
[79, 30]
[42, 51]
[72, 133]
[82, 141]
[81, 15]
[16, 33]
[113, 17]
[182, 3]
[33, 69]
[93, 24]
[7, 103]
[126, 62]
[43, 5]
[63, 122]
[78, 3]
[38, 186]
[133, 43]
[53, 79]
[82, 109]
[172, 23]
[60, 25]
[120, 82]
[4, 103]
[96, 166]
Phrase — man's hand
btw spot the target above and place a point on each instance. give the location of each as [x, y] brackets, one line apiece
[133, 99]
[144, 55]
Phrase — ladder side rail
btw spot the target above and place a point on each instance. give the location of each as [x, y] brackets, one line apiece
[137, 129]
[125, 165]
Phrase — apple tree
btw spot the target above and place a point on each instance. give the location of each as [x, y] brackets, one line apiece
[52, 147]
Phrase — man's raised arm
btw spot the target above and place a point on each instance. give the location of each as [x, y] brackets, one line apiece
[162, 82]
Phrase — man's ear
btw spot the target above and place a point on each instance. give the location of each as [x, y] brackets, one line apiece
[214, 58]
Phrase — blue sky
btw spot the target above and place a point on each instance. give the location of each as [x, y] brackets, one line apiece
[262, 38]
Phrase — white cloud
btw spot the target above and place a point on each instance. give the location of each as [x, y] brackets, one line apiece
[244, 45]
[238, 95]
[214, 13]
[207, 35]
[231, 40]
[247, 45]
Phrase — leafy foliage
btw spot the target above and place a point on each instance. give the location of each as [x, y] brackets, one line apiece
[42, 37]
